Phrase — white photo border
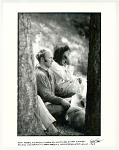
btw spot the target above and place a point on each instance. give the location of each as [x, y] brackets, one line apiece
[9, 72]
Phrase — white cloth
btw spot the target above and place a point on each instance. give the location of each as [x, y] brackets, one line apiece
[46, 118]
[65, 78]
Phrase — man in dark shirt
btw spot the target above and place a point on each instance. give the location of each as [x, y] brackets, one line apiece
[47, 86]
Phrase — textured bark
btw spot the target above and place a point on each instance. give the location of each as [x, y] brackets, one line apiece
[29, 122]
[93, 107]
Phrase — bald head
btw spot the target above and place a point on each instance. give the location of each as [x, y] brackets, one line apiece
[48, 53]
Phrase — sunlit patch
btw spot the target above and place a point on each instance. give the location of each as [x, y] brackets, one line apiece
[45, 28]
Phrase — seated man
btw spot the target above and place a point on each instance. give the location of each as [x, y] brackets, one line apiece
[46, 85]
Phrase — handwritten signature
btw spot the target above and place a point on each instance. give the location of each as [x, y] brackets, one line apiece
[93, 142]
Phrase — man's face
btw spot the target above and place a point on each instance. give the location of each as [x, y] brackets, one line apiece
[48, 59]
[66, 57]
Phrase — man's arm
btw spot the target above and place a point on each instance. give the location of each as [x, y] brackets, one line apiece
[64, 92]
[44, 91]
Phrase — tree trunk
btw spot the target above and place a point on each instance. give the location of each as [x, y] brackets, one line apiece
[28, 122]
[93, 107]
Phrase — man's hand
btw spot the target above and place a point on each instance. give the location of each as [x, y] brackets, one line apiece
[65, 104]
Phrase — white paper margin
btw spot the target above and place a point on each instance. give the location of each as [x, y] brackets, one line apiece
[9, 73]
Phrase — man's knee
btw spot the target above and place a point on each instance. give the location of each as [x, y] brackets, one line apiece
[55, 110]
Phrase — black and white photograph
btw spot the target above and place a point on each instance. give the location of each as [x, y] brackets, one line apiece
[59, 74]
